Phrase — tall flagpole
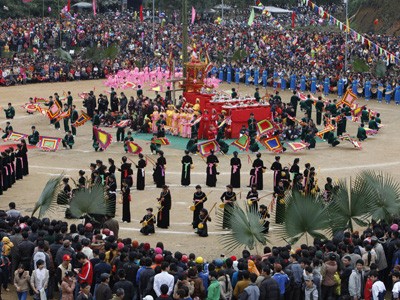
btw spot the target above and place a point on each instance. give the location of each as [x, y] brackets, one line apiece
[153, 28]
[347, 34]
[184, 36]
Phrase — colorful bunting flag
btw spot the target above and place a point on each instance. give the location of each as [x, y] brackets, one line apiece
[133, 147]
[264, 127]
[103, 138]
[31, 107]
[15, 136]
[82, 119]
[161, 141]
[64, 115]
[40, 100]
[272, 144]
[370, 131]
[47, 143]
[347, 137]
[243, 143]
[206, 147]
[251, 18]
[297, 146]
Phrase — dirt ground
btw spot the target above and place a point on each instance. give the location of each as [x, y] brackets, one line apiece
[379, 152]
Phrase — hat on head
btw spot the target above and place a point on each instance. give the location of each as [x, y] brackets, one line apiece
[148, 297]
[135, 244]
[149, 209]
[158, 259]
[104, 276]
[158, 250]
[146, 246]
[199, 260]
[394, 227]
[234, 258]
[66, 257]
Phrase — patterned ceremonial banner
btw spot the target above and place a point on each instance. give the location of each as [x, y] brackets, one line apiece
[133, 147]
[54, 110]
[64, 114]
[243, 143]
[15, 136]
[47, 143]
[103, 138]
[40, 100]
[355, 143]
[370, 131]
[264, 126]
[297, 120]
[83, 95]
[347, 99]
[129, 85]
[272, 144]
[302, 96]
[297, 146]
[161, 141]
[206, 147]
[31, 107]
[82, 119]
[328, 128]
[124, 123]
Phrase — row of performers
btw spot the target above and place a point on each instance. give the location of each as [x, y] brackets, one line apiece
[200, 214]
[13, 165]
[187, 123]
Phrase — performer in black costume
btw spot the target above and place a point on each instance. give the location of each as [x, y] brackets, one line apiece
[228, 198]
[256, 173]
[126, 171]
[279, 194]
[140, 177]
[163, 213]
[204, 217]
[253, 196]
[112, 196]
[211, 170]
[187, 163]
[199, 197]
[159, 170]
[295, 169]
[126, 199]
[19, 170]
[236, 165]
[25, 157]
[148, 222]
[277, 168]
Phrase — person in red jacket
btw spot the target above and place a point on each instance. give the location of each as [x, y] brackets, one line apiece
[85, 274]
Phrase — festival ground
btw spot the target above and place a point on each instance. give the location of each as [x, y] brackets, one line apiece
[379, 152]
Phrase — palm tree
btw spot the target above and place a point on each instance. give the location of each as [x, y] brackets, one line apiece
[246, 228]
[51, 193]
[304, 215]
[349, 205]
[385, 192]
[89, 201]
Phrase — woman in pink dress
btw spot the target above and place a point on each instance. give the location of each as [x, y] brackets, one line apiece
[155, 116]
[188, 128]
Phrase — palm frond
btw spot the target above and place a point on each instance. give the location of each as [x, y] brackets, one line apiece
[349, 205]
[385, 195]
[64, 55]
[89, 201]
[246, 229]
[304, 215]
[48, 198]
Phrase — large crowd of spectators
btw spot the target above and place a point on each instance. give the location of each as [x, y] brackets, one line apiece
[314, 47]
[49, 257]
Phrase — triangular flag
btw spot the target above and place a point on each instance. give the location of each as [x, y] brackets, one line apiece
[251, 18]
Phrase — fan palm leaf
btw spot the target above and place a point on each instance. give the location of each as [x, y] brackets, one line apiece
[48, 198]
[385, 195]
[304, 215]
[88, 201]
[246, 228]
[348, 205]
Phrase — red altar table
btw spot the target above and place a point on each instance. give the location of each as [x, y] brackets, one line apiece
[239, 117]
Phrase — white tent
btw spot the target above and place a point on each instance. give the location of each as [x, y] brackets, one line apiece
[82, 5]
[273, 9]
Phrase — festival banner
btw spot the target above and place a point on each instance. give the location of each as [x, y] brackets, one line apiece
[82, 119]
[297, 146]
[54, 110]
[64, 115]
[103, 138]
[15, 136]
[243, 143]
[133, 147]
[328, 128]
[348, 138]
[347, 99]
[206, 147]
[31, 107]
[161, 141]
[264, 127]
[47, 143]
[272, 144]
[370, 131]
[40, 100]
[123, 123]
